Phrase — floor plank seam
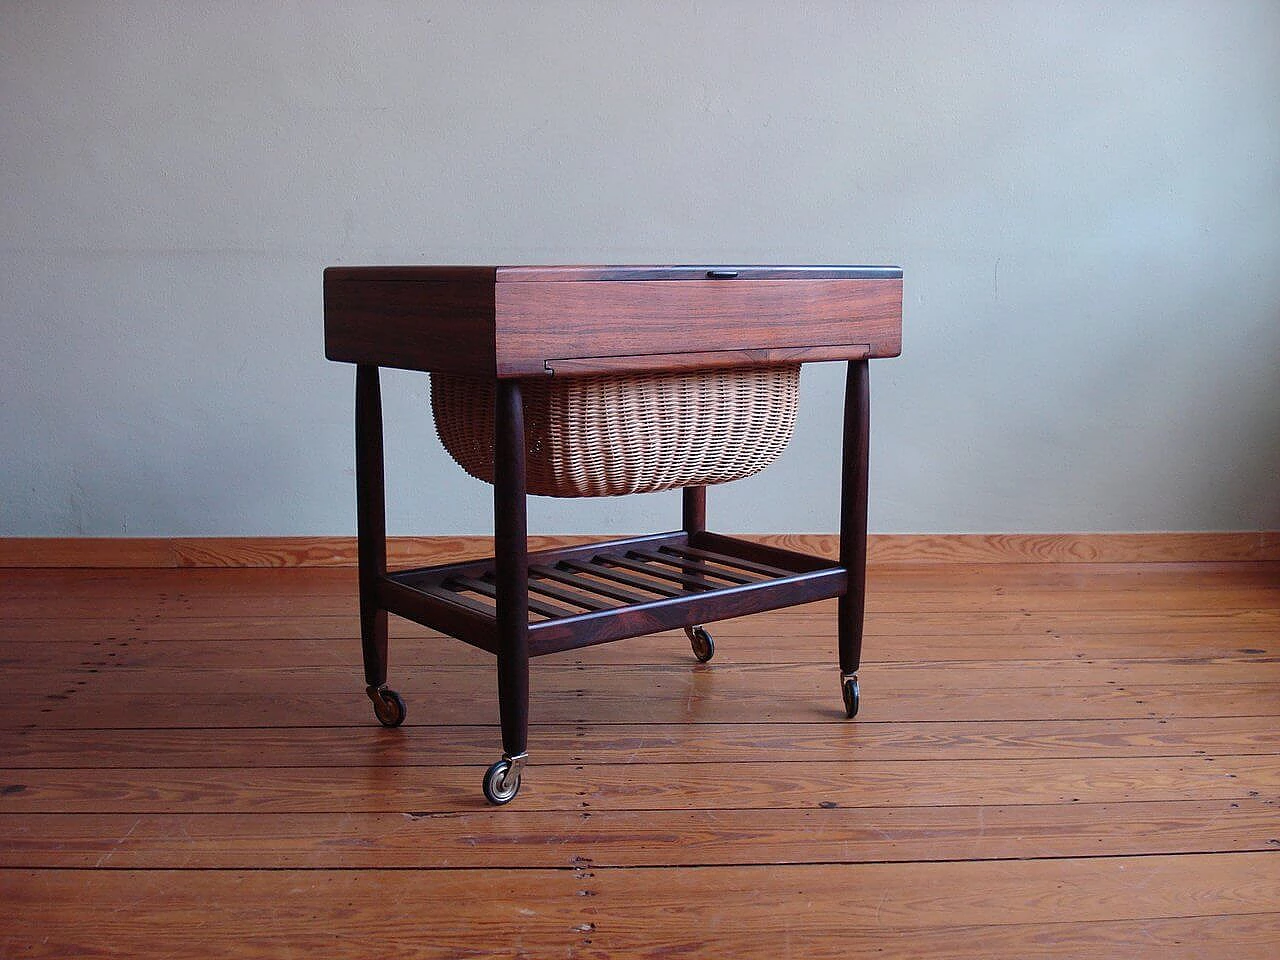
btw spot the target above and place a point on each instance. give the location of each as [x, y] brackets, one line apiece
[577, 867]
[549, 765]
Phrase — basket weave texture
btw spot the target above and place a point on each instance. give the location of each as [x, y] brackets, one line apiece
[614, 434]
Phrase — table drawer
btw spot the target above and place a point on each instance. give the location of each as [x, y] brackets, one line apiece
[677, 323]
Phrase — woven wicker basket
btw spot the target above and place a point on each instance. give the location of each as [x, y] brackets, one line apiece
[602, 436]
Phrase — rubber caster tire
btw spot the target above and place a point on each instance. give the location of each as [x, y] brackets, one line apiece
[388, 707]
[704, 647]
[849, 690]
[497, 789]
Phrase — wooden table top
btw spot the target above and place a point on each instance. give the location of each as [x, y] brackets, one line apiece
[532, 321]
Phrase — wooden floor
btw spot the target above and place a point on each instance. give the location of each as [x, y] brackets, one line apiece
[1051, 761]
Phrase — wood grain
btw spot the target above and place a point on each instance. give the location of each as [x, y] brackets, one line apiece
[444, 325]
[646, 786]
[1128, 548]
[707, 359]
[630, 838]
[1078, 547]
[700, 700]
[1024, 626]
[560, 679]
[1053, 760]
[461, 320]
[951, 909]
[345, 746]
[111, 644]
[969, 579]
[85, 605]
[577, 274]
[542, 322]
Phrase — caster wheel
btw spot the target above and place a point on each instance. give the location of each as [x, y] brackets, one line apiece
[704, 648]
[387, 707]
[849, 688]
[499, 787]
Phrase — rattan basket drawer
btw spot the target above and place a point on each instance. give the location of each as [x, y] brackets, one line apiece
[608, 435]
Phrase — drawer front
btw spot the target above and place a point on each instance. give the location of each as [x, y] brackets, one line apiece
[672, 323]
[415, 324]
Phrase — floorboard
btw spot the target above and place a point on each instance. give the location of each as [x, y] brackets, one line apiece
[1052, 760]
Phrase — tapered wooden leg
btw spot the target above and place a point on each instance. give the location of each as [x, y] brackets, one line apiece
[511, 567]
[371, 528]
[853, 515]
[694, 509]
[694, 520]
[371, 523]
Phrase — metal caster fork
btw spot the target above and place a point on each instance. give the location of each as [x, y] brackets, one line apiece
[849, 690]
[704, 648]
[502, 780]
[387, 706]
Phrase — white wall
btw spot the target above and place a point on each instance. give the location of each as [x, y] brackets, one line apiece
[1085, 197]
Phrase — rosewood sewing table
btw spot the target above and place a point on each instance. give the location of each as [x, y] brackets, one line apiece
[515, 324]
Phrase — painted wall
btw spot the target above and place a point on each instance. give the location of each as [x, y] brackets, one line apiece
[1085, 197]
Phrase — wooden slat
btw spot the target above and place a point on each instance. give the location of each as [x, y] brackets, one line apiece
[484, 567]
[461, 599]
[574, 597]
[693, 608]
[757, 551]
[587, 584]
[695, 566]
[608, 573]
[726, 560]
[661, 572]
[489, 590]
[460, 617]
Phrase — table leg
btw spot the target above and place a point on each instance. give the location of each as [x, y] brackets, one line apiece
[853, 527]
[694, 520]
[371, 527]
[694, 509]
[511, 569]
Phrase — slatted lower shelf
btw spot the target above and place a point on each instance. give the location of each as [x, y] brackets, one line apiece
[600, 592]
